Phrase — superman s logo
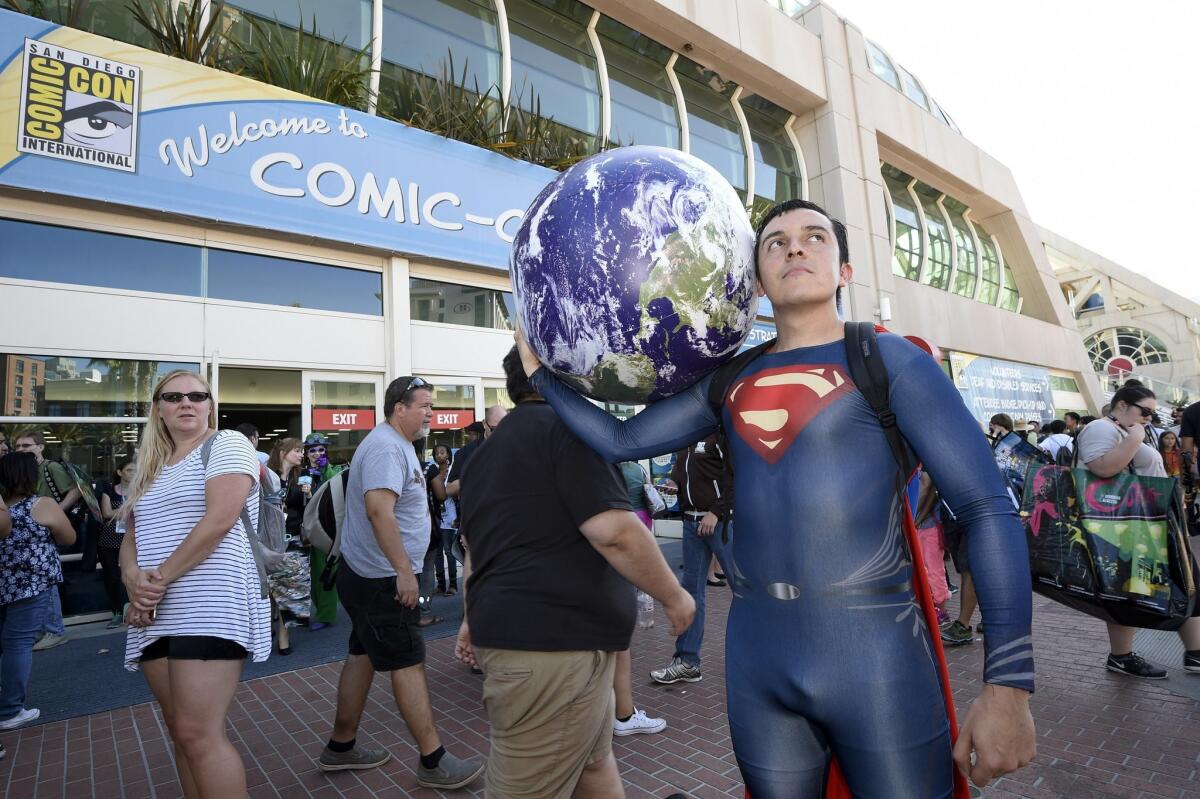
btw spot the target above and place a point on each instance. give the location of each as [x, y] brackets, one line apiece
[771, 407]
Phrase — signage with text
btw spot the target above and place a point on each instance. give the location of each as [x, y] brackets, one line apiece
[990, 386]
[452, 420]
[343, 418]
[238, 151]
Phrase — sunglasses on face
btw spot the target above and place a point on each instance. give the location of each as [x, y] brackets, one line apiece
[1146, 412]
[318, 450]
[176, 397]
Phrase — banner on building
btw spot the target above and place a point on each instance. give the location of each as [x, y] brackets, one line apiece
[990, 386]
[88, 117]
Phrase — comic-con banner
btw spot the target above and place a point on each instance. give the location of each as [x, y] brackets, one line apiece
[990, 386]
[85, 116]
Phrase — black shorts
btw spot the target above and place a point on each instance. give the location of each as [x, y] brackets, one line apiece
[956, 545]
[381, 628]
[193, 647]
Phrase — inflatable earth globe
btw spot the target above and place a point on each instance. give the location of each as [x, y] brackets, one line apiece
[633, 274]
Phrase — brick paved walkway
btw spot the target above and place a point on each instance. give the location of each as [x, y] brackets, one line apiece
[1100, 735]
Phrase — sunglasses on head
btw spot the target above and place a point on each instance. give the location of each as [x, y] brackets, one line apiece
[417, 382]
[176, 397]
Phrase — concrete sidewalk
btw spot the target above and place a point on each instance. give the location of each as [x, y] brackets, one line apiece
[1100, 734]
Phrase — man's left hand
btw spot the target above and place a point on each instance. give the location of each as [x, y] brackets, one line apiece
[462, 646]
[999, 730]
[708, 523]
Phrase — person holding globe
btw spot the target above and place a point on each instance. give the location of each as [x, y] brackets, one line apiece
[832, 673]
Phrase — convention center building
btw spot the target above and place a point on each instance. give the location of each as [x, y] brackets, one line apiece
[157, 213]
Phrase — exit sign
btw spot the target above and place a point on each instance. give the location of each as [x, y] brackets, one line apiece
[343, 419]
[451, 420]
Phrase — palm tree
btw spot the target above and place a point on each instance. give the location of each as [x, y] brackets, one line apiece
[71, 13]
[181, 31]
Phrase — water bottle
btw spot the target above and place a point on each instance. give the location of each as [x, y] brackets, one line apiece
[645, 604]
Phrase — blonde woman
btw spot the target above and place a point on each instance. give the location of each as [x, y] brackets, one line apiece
[195, 607]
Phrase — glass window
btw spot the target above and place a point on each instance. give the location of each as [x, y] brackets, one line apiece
[1093, 303]
[966, 275]
[552, 61]
[454, 409]
[714, 131]
[1138, 346]
[419, 36]
[111, 18]
[906, 258]
[342, 396]
[83, 257]
[1058, 383]
[1010, 297]
[881, 65]
[451, 303]
[84, 386]
[937, 267]
[990, 290]
[777, 173]
[343, 21]
[912, 89]
[641, 100]
[298, 284]
[497, 396]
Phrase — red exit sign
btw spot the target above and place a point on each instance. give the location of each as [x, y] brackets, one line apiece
[451, 420]
[343, 419]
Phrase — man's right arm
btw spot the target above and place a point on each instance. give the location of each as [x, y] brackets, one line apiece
[629, 547]
[381, 504]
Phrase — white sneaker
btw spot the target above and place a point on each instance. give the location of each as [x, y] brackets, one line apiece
[638, 722]
[49, 641]
[25, 716]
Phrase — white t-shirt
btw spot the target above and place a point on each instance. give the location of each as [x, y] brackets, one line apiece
[385, 459]
[1055, 442]
[1102, 436]
[220, 597]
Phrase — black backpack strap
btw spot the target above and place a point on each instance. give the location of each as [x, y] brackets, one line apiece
[869, 374]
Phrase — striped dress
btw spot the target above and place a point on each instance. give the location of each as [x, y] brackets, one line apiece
[220, 596]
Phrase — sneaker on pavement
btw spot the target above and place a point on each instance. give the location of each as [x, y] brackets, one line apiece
[26, 715]
[3, 751]
[639, 722]
[1191, 663]
[356, 759]
[957, 634]
[49, 641]
[451, 773]
[979, 627]
[678, 671]
[1134, 665]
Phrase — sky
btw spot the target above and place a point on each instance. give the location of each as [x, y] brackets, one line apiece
[1094, 105]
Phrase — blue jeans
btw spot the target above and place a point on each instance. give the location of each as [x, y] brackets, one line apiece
[697, 550]
[21, 623]
[54, 615]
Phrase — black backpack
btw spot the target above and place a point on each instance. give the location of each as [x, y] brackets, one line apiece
[869, 374]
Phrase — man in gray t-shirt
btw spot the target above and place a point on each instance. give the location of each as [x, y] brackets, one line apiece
[383, 540]
[385, 460]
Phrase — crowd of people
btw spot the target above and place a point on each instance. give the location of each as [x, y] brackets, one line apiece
[548, 516]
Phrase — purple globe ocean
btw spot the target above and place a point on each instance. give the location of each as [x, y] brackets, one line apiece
[633, 273]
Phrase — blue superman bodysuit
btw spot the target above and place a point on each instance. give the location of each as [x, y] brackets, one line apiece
[827, 652]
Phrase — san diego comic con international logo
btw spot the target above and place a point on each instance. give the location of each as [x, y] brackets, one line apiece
[78, 107]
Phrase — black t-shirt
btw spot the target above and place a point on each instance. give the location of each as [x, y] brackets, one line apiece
[1190, 427]
[460, 460]
[536, 583]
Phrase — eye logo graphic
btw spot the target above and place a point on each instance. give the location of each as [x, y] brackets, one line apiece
[78, 107]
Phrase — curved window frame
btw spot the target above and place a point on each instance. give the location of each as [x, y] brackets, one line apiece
[912, 88]
[634, 64]
[761, 114]
[1010, 295]
[1140, 346]
[709, 108]
[881, 65]
[966, 255]
[990, 264]
[569, 42]
[911, 240]
[939, 249]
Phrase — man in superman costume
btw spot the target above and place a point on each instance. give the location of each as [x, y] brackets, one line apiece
[835, 685]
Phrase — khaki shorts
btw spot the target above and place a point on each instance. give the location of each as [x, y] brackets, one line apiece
[551, 715]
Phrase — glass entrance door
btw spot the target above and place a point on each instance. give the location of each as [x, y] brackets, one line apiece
[343, 407]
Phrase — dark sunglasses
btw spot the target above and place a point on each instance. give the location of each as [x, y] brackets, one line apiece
[417, 382]
[1146, 412]
[318, 450]
[176, 397]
